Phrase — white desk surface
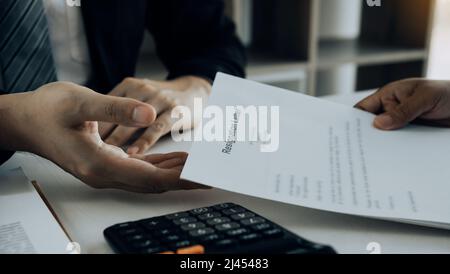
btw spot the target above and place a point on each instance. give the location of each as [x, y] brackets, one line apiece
[86, 212]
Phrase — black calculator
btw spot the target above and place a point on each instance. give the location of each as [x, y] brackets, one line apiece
[220, 229]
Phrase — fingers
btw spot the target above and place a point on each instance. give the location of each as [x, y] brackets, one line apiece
[128, 85]
[386, 97]
[163, 101]
[139, 175]
[123, 111]
[104, 129]
[172, 161]
[389, 101]
[405, 112]
[154, 132]
[125, 86]
[120, 135]
[371, 104]
[109, 167]
[106, 166]
[158, 158]
[167, 161]
[398, 102]
[163, 97]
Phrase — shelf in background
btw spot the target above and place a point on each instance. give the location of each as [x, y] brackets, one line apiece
[335, 53]
[286, 47]
[261, 68]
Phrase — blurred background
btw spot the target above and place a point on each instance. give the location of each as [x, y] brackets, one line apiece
[324, 47]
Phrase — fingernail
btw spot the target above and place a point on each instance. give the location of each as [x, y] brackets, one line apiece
[142, 115]
[133, 150]
[384, 121]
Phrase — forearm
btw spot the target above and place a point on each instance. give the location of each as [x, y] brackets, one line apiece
[11, 122]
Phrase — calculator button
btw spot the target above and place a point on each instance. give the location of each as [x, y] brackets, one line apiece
[201, 232]
[192, 226]
[144, 244]
[164, 232]
[196, 249]
[136, 237]
[275, 232]
[209, 238]
[177, 215]
[253, 221]
[250, 237]
[209, 215]
[223, 206]
[184, 220]
[218, 220]
[227, 226]
[225, 243]
[154, 224]
[243, 215]
[129, 231]
[198, 211]
[262, 226]
[124, 225]
[181, 244]
[234, 210]
[237, 232]
[153, 250]
[171, 238]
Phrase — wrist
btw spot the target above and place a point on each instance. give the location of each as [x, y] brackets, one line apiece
[13, 122]
[199, 83]
[184, 83]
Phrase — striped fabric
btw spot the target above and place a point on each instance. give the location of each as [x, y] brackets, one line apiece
[26, 60]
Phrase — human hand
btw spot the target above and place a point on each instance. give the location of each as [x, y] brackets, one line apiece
[57, 121]
[402, 102]
[164, 97]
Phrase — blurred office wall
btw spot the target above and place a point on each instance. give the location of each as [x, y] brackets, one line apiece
[439, 63]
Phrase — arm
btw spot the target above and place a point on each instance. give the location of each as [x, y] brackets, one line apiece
[10, 137]
[194, 40]
[194, 37]
[6, 151]
[56, 122]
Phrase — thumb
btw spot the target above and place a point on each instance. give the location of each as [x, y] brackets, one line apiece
[117, 110]
[402, 114]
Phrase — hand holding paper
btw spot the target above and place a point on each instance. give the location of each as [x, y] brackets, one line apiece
[330, 157]
[402, 102]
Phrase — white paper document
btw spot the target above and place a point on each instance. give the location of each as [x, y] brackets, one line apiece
[330, 157]
[26, 224]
